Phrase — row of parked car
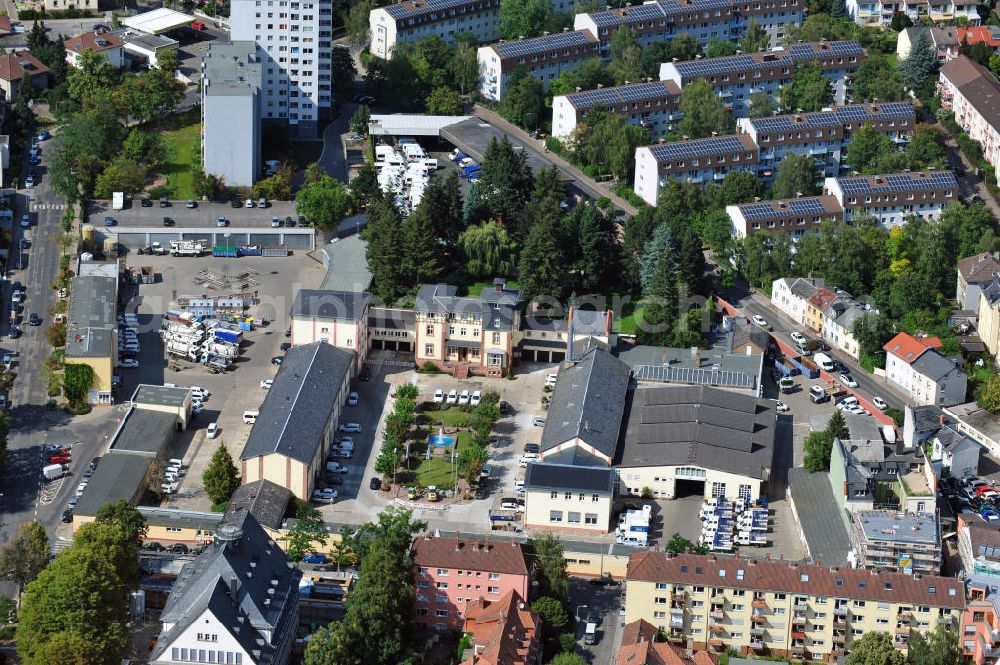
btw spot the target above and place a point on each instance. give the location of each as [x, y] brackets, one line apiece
[339, 454]
[455, 397]
[975, 495]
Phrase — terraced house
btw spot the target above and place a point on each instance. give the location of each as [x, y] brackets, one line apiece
[781, 608]
[880, 12]
[892, 199]
[971, 92]
[544, 58]
[654, 105]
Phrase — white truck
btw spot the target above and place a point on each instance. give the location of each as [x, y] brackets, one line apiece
[224, 350]
[53, 471]
[118, 200]
[186, 248]
[824, 361]
[182, 350]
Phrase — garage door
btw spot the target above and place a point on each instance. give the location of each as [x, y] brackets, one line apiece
[132, 240]
[206, 238]
[162, 238]
[298, 240]
[265, 239]
[233, 239]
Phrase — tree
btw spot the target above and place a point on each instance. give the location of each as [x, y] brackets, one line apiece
[552, 577]
[385, 252]
[278, 187]
[143, 148]
[505, 185]
[878, 79]
[739, 187]
[608, 142]
[4, 431]
[988, 396]
[471, 458]
[678, 544]
[443, 203]
[121, 175]
[797, 176]
[356, 22]
[221, 477]
[93, 75]
[365, 187]
[867, 149]
[765, 257]
[837, 426]
[77, 382]
[422, 263]
[24, 557]
[719, 48]
[388, 461]
[662, 302]
[126, 518]
[703, 111]
[587, 75]
[761, 105]
[598, 264]
[874, 648]
[444, 101]
[487, 250]
[323, 202]
[394, 524]
[921, 64]
[939, 647]
[524, 18]
[626, 56]
[813, 91]
[465, 68]
[756, 38]
[552, 613]
[344, 70]
[524, 102]
[543, 264]
[307, 534]
[900, 22]
[818, 446]
[360, 119]
[661, 242]
[567, 658]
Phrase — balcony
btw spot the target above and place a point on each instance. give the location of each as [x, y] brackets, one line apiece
[676, 621]
[840, 611]
[818, 151]
[798, 635]
[902, 630]
[759, 602]
[800, 606]
[758, 617]
[718, 176]
[839, 638]
[756, 645]
[717, 614]
[677, 610]
[757, 632]
[717, 644]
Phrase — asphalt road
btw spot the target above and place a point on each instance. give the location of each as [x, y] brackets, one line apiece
[606, 602]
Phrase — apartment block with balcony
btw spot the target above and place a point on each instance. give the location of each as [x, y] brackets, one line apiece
[704, 20]
[980, 632]
[654, 105]
[892, 199]
[898, 542]
[880, 12]
[296, 44]
[826, 134]
[736, 77]
[697, 161]
[543, 58]
[781, 608]
[793, 216]
[970, 91]
[452, 573]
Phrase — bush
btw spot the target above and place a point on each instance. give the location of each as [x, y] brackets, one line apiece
[429, 368]
[567, 642]
[67, 219]
[56, 334]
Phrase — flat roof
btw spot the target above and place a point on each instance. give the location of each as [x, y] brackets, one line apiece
[210, 226]
[93, 302]
[98, 268]
[977, 418]
[347, 265]
[899, 527]
[142, 40]
[405, 124]
[158, 20]
[119, 475]
[194, 519]
[144, 431]
[473, 136]
[823, 527]
[232, 69]
[89, 342]
[160, 395]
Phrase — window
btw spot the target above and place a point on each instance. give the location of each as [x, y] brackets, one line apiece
[595, 497]
[442, 585]
[429, 329]
[553, 494]
[429, 350]
[443, 572]
[745, 492]
[572, 517]
[441, 599]
[494, 576]
[496, 338]
[590, 518]
[718, 489]
[440, 613]
[555, 515]
[493, 589]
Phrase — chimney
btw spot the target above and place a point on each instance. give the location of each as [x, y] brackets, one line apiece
[941, 420]
[498, 284]
[234, 589]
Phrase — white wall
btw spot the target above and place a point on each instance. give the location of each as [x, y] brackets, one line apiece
[231, 137]
[647, 175]
[662, 481]
[539, 505]
[206, 624]
[564, 118]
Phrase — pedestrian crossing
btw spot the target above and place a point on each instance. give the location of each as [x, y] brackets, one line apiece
[48, 206]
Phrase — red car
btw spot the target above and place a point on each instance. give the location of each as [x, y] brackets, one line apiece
[198, 25]
[59, 459]
[983, 489]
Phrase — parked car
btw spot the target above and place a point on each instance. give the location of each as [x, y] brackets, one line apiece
[266, 384]
[314, 557]
[463, 397]
[352, 399]
[452, 396]
[439, 396]
[350, 427]
[375, 484]
[130, 363]
[759, 320]
[879, 403]
[780, 407]
[532, 448]
[179, 548]
[848, 381]
[212, 431]
[190, 203]
[34, 320]
[538, 421]
[798, 337]
[476, 398]
[276, 360]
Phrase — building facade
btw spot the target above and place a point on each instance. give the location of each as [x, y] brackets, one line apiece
[106, 44]
[891, 541]
[543, 58]
[839, 317]
[782, 608]
[502, 632]
[569, 498]
[697, 161]
[736, 77]
[452, 573]
[880, 12]
[296, 46]
[914, 366]
[945, 39]
[339, 318]
[654, 105]
[974, 272]
[892, 199]
[969, 90]
[231, 87]
[793, 216]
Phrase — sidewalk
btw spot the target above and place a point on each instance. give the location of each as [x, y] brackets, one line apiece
[584, 181]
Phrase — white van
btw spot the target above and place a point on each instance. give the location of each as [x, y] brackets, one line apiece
[250, 416]
[346, 445]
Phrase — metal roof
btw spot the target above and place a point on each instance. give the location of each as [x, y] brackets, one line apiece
[819, 514]
[119, 475]
[324, 304]
[346, 265]
[158, 20]
[544, 476]
[898, 182]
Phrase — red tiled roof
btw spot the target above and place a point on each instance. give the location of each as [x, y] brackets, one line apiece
[823, 298]
[788, 577]
[974, 35]
[640, 648]
[469, 555]
[15, 65]
[5, 25]
[94, 41]
[502, 631]
[908, 348]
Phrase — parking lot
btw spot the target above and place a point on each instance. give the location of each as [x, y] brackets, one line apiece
[205, 213]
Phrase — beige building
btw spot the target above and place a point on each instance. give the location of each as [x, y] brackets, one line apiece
[339, 318]
[569, 498]
[298, 421]
[91, 330]
[781, 608]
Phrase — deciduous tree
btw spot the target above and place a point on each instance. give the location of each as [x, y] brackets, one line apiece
[797, 176]
[465, 68]
[524, 102]
[307, 534]
[444, 101]
[24, 557]
[324, 202]
[487, 250]
[761, 105]
[812, 90]
[524, 18]
[552, 577]
[875, 648]
[756, 38]
[626, 56]
[703, 111]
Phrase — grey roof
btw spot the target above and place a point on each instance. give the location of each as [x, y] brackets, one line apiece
[180, 518]
[93, 302]
[954, 441]
[699, 426]
[926, 418]
[979, 268]
[590, 322]
[863, 427]
[819, 516]
[248, 584]
[391, 319]
[346, 265]
[494, 307]
[89, 342]
[897, 527]
[934, 366]
[300, 402]
[725, 363]
[120, 475]
[160, 395]
[333, 305]
[143, 40]
[542, 475]
[587, 402]
[545, 323]
[867, 450]
[845, 312]
[265, 500]
[232, 69]
[146, 431]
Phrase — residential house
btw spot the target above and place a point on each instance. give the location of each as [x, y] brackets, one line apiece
[92, 329]
[639, 645]
[868, 474]
[236, 602]
[295, 426]
[914, 366]
[945, 40]
[979, 550]
[950, 443]
[452, 574]
[339, 318]
[654, 105]
[467, 334]
[502, 632]
[18, 66]
[897, 542]
[569, 498]
[783, 608]
[697, 161]
[104, 43]
[980, 629]
[892, 199]
[736, 77]
[232, 83]
[956, 451]
[544, 58]
[975, 34]
[794, 216]
[978, 423]
[704, 20]
[880, 12]
[973, 272]
[792, 296]
[988, 324]
[839, 318]
[971, 92]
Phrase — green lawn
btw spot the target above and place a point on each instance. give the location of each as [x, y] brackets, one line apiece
[436, 471]
[182, 139]
[628, 324]
[452, 417]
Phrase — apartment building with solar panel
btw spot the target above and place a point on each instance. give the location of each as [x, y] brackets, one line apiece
[892, 199]
[654, 105]
[824, 135]
[698, 161]
[661, 20]
[794, 216]
[736, 77]
[412, 20]
[544, 58]
[880, 12]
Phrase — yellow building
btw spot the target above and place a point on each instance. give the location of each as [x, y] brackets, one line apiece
[339, 318]
[91, 327]
[781, 608]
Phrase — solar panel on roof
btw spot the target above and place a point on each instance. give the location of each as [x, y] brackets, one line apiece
[763, 211]
[697, 376]
[541, 44]
[903, 182]
[400, 10]
[664, 152]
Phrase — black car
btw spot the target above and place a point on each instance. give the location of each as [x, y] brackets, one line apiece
[302, 221]
[34, 320]
[67, 516]
[375, 484]
[532, 448]
[14, 333]
[504, 408]
[147, 203]
[164, 203]
[285, 346]
[25, 243]
[94, 462]
[153, 547]
[167, 221]
[289, 221]
[178, 548]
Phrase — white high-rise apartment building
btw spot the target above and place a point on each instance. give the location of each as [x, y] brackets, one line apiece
[295, 37]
